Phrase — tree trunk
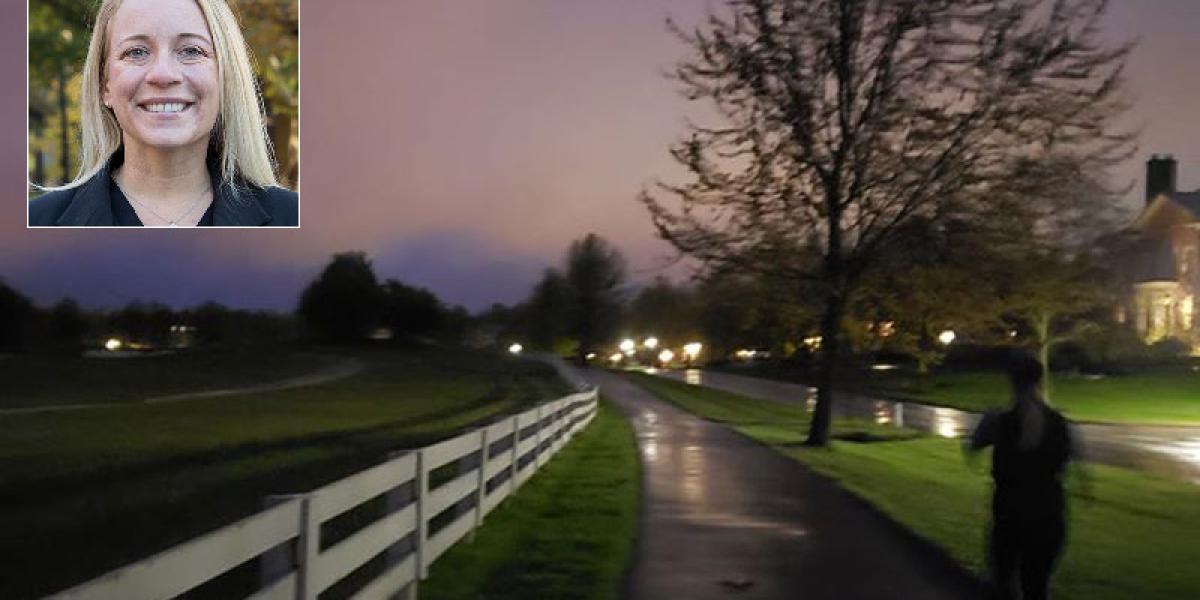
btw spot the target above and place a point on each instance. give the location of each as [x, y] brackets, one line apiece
[1042, 331]
[818, 431]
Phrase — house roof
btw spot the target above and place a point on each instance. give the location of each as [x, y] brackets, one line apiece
[1188, 200]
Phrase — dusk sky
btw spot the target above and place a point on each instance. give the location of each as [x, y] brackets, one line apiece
[464, 143]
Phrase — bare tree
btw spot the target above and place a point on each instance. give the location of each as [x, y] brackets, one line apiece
[844, 119]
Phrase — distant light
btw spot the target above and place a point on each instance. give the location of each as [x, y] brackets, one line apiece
[665, 356]
[112, 345]
[813, 343]
[516, 348]
[946, 337]
[692, 349]
[884, 367]
[745, 354]
[627, 346]
[616, 357]
[651, 342]
[591, 355]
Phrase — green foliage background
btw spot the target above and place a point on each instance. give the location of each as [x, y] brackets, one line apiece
[59, 31]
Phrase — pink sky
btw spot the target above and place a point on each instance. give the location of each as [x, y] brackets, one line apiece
[464, 145]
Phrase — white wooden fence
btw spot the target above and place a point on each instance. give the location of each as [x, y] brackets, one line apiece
[286, 538]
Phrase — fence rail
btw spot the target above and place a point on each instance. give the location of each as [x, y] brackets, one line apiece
[287, 537]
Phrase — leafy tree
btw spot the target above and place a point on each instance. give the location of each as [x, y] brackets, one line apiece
[845, 119]
[668, 311]
[344, 303]
[546, 311]
[58, 37]
[272, 29]
[67, 324]
[18, 318]
[411, 311]
[747, 311]
[594, 275]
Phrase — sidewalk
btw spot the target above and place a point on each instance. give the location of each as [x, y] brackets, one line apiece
[725, 517]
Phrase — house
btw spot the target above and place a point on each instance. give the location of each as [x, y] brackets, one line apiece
[1166, 273]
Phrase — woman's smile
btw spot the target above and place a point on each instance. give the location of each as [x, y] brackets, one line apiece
[161, 81]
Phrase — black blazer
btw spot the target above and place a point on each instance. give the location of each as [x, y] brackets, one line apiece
[91, 205]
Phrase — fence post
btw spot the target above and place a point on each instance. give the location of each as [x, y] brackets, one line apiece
[422, 485]
[537, 449]
[516, 456]
[280, 560]
[481, 488]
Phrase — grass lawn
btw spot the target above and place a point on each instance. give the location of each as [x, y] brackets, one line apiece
[566, 535]
[41, 380]
[1169, 397]
[82, 492]
[1136, 539]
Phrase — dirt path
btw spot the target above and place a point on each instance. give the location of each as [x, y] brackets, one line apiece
[335, 369]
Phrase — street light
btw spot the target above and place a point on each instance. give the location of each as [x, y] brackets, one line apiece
[651, 343]
[616, 357]
[692, 350]
[665, 356]
[946, 337]
[627, 346]
[516, 348]
[112, 345]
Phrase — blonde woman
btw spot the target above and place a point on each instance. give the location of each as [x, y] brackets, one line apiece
[172, 125]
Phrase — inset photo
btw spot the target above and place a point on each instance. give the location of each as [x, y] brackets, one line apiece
[164, 113]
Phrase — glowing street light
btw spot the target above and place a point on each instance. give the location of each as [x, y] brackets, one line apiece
[692, 350]
[650, 343]
[627, 346]
[516, 348]
[591, 355]
[946, 337]
[616, 357]
[665, 356]
[112, 345]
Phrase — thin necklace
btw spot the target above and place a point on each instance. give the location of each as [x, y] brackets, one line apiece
[170, 222]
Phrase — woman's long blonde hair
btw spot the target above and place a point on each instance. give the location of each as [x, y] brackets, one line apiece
[240, 133]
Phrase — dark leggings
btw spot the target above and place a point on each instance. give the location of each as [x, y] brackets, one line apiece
[1023, 553]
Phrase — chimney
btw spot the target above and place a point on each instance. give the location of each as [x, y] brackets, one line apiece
[1160, 176]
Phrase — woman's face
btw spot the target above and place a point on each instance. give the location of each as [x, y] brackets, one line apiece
[161, 76]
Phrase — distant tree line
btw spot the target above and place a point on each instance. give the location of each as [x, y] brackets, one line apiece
[940, 276]
[66, 327]
[345, 303]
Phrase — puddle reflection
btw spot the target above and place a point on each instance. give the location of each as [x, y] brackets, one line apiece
[694, 474]
[692, 377]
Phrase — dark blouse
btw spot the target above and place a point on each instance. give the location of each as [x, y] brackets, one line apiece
[124, 214]
[98, 202]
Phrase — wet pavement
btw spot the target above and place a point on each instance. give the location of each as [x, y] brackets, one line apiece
[1169, 451]
[724, 517]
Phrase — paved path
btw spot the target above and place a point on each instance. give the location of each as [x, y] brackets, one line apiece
[725, 517]
[334, 370]
[1170, 451]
